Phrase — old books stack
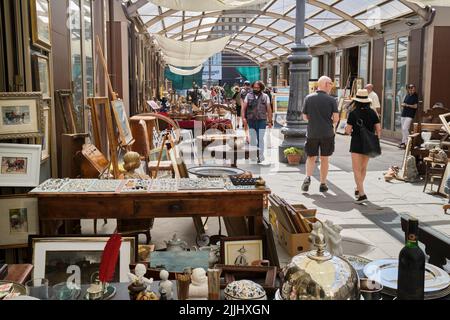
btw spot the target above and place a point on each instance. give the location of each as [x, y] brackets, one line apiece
[292, 220]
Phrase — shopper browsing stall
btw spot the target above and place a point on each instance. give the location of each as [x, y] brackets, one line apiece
[409, 105]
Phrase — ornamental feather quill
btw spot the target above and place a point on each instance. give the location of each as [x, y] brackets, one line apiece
[109, 258]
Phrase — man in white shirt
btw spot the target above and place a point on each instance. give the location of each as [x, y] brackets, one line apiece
[374, 97]
[206, 94]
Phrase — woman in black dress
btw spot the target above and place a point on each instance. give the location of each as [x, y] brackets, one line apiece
[361, 110]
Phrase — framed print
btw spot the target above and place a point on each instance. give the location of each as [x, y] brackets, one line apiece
[121, 117]
[54, 257]
[40, 23]
[241, 251]
[20, 165]
[337, 64]
[18, 219]
[280, 103]
[445, 119]
[41, 66]
[20, 115]
[45, 140]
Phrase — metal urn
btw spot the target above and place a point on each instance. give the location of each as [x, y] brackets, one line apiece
[317, 275]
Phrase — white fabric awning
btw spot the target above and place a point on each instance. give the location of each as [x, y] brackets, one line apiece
[188, 49]
[192, 63]
[183, 72]
[206, 5]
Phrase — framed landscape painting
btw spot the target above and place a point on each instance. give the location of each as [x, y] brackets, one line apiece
[20, 115]
[40, 23]
[41, 67]
[19, 165]
[121, 118]
[18, 219]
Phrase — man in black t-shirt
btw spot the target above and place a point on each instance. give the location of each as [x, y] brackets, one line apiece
[409, 106]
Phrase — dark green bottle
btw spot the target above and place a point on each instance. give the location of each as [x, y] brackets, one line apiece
[411, 266]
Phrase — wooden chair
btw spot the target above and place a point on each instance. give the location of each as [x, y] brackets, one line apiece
[434, 170]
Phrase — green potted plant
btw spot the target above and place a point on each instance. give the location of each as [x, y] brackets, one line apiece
[293, 155]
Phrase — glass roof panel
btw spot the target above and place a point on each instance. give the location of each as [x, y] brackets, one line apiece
[324, 19]
[383, 13]
[353, 7]
[265, 21]
[282, 25]
[341, 29]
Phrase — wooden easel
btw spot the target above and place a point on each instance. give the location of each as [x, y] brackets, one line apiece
[113, 145]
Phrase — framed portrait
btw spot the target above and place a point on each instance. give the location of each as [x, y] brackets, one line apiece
[18, 219]
[20, 115]
[45, 140]
[121, 118]
[20, 165]
[55, 257]
[40, 23]
[41, 66]
[241, 251]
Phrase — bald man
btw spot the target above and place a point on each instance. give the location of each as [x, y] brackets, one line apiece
[374, 97]
[321, 112]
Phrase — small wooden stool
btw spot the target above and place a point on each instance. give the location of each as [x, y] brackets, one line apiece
[434, 169]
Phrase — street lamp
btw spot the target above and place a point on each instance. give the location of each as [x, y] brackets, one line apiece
[295, 130]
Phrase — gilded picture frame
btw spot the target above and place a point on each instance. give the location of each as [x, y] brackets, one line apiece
[40, 24]
[41, 70]
[21, 115]
[18, 220]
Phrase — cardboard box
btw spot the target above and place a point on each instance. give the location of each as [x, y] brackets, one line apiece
[294, 243]
[304, 211]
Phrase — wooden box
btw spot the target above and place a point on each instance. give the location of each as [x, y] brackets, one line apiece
[294, 243]
[300, 208]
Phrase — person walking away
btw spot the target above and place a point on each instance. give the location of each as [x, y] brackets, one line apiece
[361, 114]
[237, 100]
[257, 115]
[374, 98]
[321, 111]
[244, 91]
[409, 106]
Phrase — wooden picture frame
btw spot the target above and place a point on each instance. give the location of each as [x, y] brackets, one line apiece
[41, 74]
[75, 251]
[21, 115]
[41, 24]
[95, 105]
[46, 137]
[65, 103]
[280, 103]
[271, 248]
[20, 165]
[443, 182]
[409, 145]
[231, 252]
[126, 137]
[18, 220]
[445, 119]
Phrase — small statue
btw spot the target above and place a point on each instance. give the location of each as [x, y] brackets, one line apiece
[165, 285]
[198, 289]
[333, 238]
[132, 161]
[138, 279]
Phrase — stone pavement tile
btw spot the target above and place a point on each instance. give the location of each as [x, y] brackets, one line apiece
[378, 236]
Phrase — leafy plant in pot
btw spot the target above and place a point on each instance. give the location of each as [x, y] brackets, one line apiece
[294, 155]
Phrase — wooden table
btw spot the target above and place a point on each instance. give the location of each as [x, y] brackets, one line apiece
[19, 273]
[205, 140]
[54, 208]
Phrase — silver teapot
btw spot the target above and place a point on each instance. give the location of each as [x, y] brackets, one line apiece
[317, 275]
[176, 245]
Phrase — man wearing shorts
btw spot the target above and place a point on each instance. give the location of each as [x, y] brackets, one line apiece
[321, 112]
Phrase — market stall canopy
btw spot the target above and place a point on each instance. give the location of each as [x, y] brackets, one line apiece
[207, 5]
[184, 63]
[184, 72]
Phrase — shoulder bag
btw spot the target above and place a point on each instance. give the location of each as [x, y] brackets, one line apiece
[369, 140]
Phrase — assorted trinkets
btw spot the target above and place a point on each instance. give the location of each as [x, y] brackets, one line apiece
[201, 184]
[105, 186]
[164, 185]
[51, 185]
[198, 289]
[78, 185]
[136, 185]
[244, 290]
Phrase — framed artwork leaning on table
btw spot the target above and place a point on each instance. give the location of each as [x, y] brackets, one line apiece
[118, 107]
[20, 165]
[241, 251]
[18, 219]
[21, 115]
[58, 258]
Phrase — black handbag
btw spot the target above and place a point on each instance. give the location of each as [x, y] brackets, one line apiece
[369, 140]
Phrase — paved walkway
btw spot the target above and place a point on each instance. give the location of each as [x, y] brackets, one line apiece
[372, 230]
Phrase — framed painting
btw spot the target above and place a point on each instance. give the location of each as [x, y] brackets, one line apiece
[55, 258]
[121, 118]
[18, 219]
[280, 103]
[40, 24]
[241, 251]
[41, 66]
[65, 103]
[20, 165]
[20, 115]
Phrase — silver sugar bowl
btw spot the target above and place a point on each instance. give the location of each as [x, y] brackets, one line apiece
[317, 275]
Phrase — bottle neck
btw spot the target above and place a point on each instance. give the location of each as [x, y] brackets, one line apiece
[412, 241]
